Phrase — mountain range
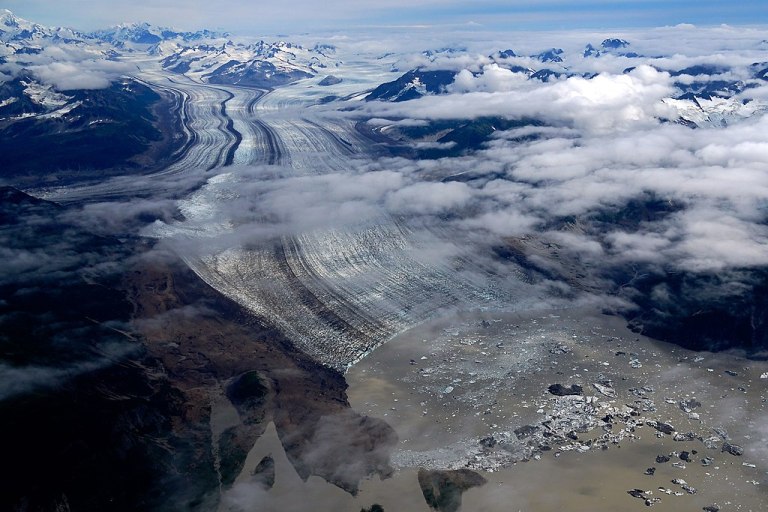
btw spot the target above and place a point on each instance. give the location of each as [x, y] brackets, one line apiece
[260, 64]
[208, 55]
[707, 94]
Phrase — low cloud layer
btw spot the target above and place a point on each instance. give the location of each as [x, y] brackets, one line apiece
[714, 179]
[85, 74]
[603, 103]
[65, 65]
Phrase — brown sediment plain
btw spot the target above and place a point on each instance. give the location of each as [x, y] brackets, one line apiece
[448, 385]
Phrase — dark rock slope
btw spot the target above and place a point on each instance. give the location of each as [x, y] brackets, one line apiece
[88, 134]
[112, 356]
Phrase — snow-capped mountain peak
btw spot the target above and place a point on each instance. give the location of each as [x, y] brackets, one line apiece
[8, 19]
[146, 33]
[13, 28]
[714, 111]
[614, 43]
[590, 51]
[17, 30]
[551, 55]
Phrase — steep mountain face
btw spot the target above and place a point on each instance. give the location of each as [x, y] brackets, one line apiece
[25, 97]
[613, 46]
[547, 75]
[257, 65]
[449, 138]
[701, 69]
[503, 55]
[712, 110]
[330, 80]
[49, 137]
[760, 70]
[66, 353]
[709, 96]
[614, 43]
[413, 84]
[551, 55]
[590, 51]
[703, 311]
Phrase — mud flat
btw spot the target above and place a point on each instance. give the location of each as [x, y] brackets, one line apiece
[633, 422]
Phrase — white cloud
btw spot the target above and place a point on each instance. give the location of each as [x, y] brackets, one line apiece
[492, 79]
[428, 198]
[601, 104]
[88, 74]
[68, 66]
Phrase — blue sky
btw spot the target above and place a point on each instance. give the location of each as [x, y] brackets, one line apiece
[243, 16]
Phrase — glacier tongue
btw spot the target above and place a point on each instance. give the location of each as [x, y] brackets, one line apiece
[337, 291]
[340, 294]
